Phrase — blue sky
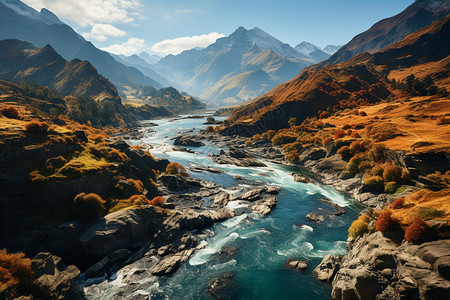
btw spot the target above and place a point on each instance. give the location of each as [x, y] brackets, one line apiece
[131, 26]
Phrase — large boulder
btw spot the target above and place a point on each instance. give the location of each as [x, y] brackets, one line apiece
[223, 287]
[328, 268]
[265, 205]
[188, 140]
[54, 279]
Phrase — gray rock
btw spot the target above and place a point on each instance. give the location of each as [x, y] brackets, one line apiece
[265, 205]
[300, 178]
[171, 263]
[54, 279]
[273, 190]
[222, 199]
[107, 262]
[315, 217]
[296, 264]
[252, 195]
[188, 140]
[223, 287]
[165, 250]
[328, 268]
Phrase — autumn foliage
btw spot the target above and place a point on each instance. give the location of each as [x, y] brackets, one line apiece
[384, 221]
[157, 201]
[88, 207]
[116, 155]
[175, 169]
[10, 112]
[359, 226]
[36, 126]
[416, 231]
[16, 275]
[398, 203]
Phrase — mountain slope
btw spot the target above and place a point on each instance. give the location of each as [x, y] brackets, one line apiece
[388, 31]
[21, 61]
[18, 21]
[363, 79]
[207, 72]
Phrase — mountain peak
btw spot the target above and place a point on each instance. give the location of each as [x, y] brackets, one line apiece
[51, 16]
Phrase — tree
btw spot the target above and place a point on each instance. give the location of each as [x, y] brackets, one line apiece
[292, 121]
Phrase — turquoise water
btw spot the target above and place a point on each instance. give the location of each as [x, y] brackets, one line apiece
[264, 242]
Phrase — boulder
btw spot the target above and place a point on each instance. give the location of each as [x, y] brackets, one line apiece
[265, 205]
[107, 262]
[188, 140]
[296, 264]
[222, 199]
[315, 217]
[252, 195]
[54, 279]
[171, 263]
[301, 178]
[223, 287]
[328, 268]
[273, 190]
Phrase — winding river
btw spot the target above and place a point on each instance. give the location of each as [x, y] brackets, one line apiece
[263, 243]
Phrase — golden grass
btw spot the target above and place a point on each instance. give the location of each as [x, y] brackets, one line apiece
[424, 201]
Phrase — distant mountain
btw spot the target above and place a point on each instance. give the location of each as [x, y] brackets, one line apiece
[19, 21]
[150, 58]
[308, 50]
[391, 30]
[22, 61]
[172, 100]
[331, 49]
[234, 69]
[364, 78]
[142, 65]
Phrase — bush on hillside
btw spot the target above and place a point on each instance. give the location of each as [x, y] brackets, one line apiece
[384, 221]
[392, 173]
[375, 183]
[268, 135]
[35, 126]
[398, 203]
[16, 275]
[430, 213]
[10, 112]
[175, 168]
[116, 155]
[345, 153]
[359, 226]
[158, 201]
[88, 207]
[376, 153]
[390, 187]
[416, 231]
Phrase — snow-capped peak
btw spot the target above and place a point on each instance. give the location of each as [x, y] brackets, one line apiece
[22, 9]
[306, 48]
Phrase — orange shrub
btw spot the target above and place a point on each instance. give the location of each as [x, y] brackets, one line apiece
[248, 143]
[346, 127]
[35, 126]
[88, 207]
[256, 137]
[376, 153]
[416, 231]
[10, 112]
[137, 185]
[392, 173]
[327, 141]
[292, 156]
[324, 114]
[384, 221]
[345, 153]
[116, 155]
[157, 201]
[339, 134]
[398, 203]
[175, 168]
[362, 113]
[210, 128]
[139, 200]
[268, 135]
[16, 275]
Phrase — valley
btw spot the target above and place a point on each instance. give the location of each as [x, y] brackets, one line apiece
[240, 167]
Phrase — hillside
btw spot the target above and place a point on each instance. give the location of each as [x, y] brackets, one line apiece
[219, 74]
[19, 21]
[391, 30]
[364, 79]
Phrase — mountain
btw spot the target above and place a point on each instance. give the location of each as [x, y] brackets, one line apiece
[150, 58]
[22, 61]
[19, 21]
[331, 49]
[391, 30]
[363, 79]
[142, 65]
[235, 68]
[309, 50]
[172, 100]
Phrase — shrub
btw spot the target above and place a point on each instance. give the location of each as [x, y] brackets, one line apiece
[362, 113]
[268, 135]
[256, 137]
[210, 128]
[359, 226]
[324, 114]
[175, 168]
[10, 112]
[442, 121]
[353, 164]
[16, 275]
[359, 146]
[139, 200]
[377, 170]
[346, 127]
[339, 134]
[292, 156]
[34, 126]
[384, 221]
[292, 146]
[376, 153]
[398, 203]
[88, 207]
[390, 187]
[327, 141]
[248, 143]
[392, 173]
[345, 153]
[136, 185]
[281, 139]
[116, 155]
[158, 201]
[364, 165]
[374, 182]
[416, 231]
[430, 213]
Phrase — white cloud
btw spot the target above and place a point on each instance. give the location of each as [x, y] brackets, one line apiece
[132, 46]
[90, 12]
[101, 32]
[178, 45]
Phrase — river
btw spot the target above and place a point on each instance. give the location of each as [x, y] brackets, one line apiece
[264, 243]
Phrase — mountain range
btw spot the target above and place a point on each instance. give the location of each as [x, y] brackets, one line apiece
[391, 30]
[19, 21]
[235, 68]
[363, 78]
